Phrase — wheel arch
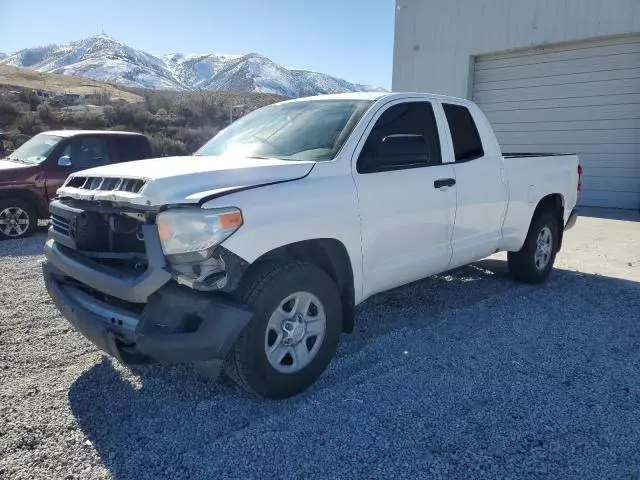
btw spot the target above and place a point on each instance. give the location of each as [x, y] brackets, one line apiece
[331, 256]
[22, 194]
[553, 203]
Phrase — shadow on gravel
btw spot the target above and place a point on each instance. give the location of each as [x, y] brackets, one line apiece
[465, 374]
[419, 303]
[33, 245]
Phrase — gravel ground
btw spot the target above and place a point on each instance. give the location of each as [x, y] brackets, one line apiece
[465, 375]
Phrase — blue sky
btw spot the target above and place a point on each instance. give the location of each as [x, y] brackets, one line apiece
[351, 39]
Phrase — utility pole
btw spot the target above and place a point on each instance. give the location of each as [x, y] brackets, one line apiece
[231, 107]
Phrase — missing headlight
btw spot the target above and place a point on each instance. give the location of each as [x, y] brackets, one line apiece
[221, 271]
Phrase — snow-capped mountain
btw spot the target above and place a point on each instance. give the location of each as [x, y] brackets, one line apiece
[3, 56]
[104, 58]
[100, 57]
[195, 70]
[255, 73]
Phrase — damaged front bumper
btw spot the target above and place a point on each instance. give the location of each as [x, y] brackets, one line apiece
[145, 317]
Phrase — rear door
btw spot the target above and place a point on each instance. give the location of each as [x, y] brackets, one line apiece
[131, 147]
[406, 196]
[481, 193]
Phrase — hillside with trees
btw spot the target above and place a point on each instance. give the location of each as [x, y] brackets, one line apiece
[177, 123]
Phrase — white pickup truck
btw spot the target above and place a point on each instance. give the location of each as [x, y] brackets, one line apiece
[257, 250]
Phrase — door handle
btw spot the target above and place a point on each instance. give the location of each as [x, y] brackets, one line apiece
[444, 182]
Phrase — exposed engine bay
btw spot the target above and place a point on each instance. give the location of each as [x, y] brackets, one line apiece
[112, 235]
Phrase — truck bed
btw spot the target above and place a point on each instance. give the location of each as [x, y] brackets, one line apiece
[529, 154]
[531, 177]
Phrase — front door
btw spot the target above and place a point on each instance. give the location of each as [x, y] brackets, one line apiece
[406, 198]
[81, 153]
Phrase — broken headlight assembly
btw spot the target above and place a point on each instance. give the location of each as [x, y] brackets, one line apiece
[189, 235]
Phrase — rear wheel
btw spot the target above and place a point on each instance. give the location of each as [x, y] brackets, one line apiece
[534, 261]
[18, 218]
[294, 333]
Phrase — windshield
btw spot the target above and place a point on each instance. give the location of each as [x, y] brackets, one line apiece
[312, 130]
[36, 149]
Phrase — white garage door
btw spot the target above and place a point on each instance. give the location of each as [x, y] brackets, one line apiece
[582, 98]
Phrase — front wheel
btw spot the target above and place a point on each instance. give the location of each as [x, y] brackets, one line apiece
[294, 333]
[18, 218]
[534, 261]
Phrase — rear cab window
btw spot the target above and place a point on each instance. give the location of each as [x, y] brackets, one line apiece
[132, 147]
[407, 133]
[467, 144]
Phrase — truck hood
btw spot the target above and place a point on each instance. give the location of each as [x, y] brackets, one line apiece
[9, 165]
[16, 174]
[175, 180]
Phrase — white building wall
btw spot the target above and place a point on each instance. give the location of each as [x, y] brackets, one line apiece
[435, 40]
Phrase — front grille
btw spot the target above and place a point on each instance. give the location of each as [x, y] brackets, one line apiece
[132, 185]
[108, 237]
[61, 225]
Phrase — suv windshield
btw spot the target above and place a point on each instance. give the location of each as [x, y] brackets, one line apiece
[312, 130]
[36, 149]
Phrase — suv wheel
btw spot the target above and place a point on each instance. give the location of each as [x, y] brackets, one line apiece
[294, 333]
[18, 219]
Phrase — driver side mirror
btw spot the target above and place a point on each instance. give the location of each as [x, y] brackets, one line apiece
[64, 161]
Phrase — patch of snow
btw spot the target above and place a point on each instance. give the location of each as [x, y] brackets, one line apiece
[102, 57]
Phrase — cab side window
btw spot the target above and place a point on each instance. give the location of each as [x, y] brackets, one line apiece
[404, 136]
[88, 152]
[464, 133]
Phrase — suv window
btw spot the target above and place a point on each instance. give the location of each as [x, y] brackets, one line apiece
[131, 147]
[404, 136]
[88, 152]
[464, 133]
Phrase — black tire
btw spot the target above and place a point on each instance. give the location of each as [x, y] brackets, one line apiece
[29, 211]
[264, 290]
[522, 264]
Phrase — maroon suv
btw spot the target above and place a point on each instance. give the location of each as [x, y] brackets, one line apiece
[30, 176]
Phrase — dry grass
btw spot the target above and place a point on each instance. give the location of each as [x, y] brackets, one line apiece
[22, 77]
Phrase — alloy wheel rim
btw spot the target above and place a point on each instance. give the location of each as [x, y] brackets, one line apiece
[543, 251]
[295, 332]
[14, 221]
